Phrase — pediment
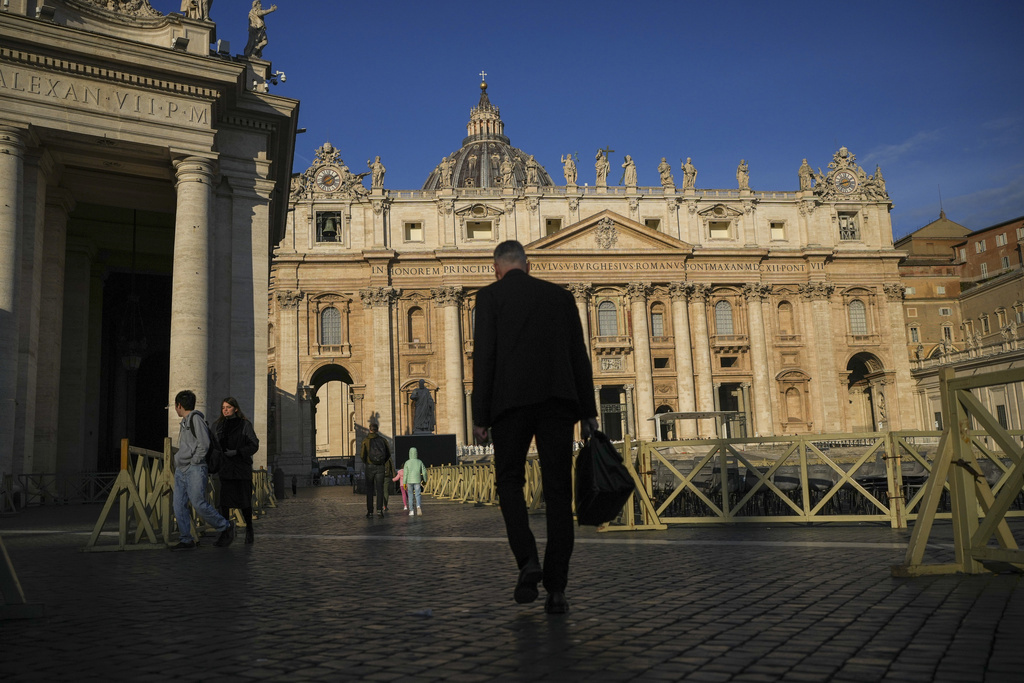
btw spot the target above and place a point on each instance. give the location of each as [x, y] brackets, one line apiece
[720, 212]
[478, 212]
[609, 231]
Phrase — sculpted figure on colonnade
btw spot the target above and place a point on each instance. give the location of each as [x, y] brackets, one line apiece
[602, 166]
[378, 171]
[689, 175]
[665, 171]
[196, 9]
[257, 29]
[743, 175]
[569, 169]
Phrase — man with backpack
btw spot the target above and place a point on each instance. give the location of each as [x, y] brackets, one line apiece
[375, 455]
[190, 475]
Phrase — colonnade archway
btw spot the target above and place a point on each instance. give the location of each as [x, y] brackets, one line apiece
[337, 429]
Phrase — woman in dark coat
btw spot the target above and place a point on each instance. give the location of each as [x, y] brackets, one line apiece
[239, 442]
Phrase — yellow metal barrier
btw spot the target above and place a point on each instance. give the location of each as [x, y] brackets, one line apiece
[872, 476]
[980, 499]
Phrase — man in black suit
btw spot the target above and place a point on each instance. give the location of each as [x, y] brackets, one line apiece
[532, 378]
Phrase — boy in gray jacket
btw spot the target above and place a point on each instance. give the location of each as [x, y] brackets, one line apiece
[190, 475]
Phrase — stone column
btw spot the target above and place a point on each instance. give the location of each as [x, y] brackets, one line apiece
[12, 170]
[449, 299]
[289, 411]
[190, 304]
[74, 362]
[307, 402]
[637, 293]
[627, 390]
[38, 167]
[748, 414]
[823, 353]
[582, 292]
[597, 402]
[469, 415]
[680, 293]
[702, 354]
[51, 325]
[380, 301]
[762, 408]
[901, 409]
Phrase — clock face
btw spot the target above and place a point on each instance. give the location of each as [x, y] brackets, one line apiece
[328, 180]
[845, 182]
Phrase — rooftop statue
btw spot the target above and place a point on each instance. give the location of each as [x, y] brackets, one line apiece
[602, 166]
[629, 171]
[569, 169]
[196, 9]
[743, 175]
[689, 175]
[806, 175]
[665, 171]
[257, 29]
[377, 170]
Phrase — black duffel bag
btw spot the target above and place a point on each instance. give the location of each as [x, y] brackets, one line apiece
[603, 483]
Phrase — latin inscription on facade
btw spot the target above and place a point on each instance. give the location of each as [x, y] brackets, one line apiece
[599, 266]
[91, 96]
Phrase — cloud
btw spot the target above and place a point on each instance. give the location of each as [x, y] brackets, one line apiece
[886, 155]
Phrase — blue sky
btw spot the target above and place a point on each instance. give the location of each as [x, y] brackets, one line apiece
[932, 92]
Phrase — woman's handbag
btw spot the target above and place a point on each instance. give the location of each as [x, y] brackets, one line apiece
[603, 483]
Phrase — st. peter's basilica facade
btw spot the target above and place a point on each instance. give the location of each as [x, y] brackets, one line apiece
[784, 306]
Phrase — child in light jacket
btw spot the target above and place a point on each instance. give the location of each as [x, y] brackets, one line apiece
[401, 483]
[415, 475]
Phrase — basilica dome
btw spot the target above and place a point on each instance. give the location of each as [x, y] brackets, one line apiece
[487, 158]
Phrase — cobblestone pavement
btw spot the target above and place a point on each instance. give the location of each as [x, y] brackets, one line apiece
[326, 594]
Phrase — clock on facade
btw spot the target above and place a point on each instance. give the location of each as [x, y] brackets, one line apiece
[845, 182]
[328, 180]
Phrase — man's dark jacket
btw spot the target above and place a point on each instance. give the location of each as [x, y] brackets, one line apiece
[528, 348]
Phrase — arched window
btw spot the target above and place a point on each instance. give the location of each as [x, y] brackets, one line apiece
[607, 320]
[786, 325]
[858, 317]
[330, 327]
[417, 325]
[723, 318]
[657, 320]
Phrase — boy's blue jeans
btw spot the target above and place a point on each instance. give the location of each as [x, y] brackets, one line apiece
[190, 487]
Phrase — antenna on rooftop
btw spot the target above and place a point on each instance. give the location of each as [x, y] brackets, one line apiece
[942, 212]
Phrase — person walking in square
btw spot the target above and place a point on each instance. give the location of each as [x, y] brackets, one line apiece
[374, 453]
[415, 475]
[191, 473]
[239, 442]
[532, 378]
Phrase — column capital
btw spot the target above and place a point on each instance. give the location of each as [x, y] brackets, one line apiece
[194, 169]
[448, 295]
[700, 292]
[756, 291]
[817, 290]
[581, 291]
[13, 140]
[638, 291]
[894, 291]
[680, 291]
[379, 296]
[287, 298]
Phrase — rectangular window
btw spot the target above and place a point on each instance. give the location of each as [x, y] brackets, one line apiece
[778, 229]
[911, 312]
[478, 230]
[940, 289]
[858, 318]
[938, 421]
[984, 270]
[984, 325]
[552, 225]
[728, 361]
[328, 226]
[915, 335]
[979, 246]
[968, 329]
[1001, 317]
[661, 363]
[719, 230]
[653, 223]
[963, 254]
[1001, 239]
[1020, 233]
[1020, 316]
[413, 232]
[947, 333]
[1005, 262]
[946, 312]
[1001, 416]
[910, 290]
[657, 325]
[848, 228]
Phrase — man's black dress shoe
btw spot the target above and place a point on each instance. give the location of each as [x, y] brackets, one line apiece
[556, 603]
[529, 576]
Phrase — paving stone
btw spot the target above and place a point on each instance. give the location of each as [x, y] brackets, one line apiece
[324, 596]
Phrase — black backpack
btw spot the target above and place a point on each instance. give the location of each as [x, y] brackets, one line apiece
[214, 454]
[378, 454]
